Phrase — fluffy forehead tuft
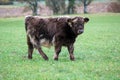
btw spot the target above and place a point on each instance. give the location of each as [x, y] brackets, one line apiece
[79, 18]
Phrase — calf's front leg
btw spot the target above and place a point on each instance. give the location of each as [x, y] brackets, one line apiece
[71, 50]
[57, 51]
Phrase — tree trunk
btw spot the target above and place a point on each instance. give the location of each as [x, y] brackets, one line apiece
[35, 6]
[58, 7]
[86, 3]
[85, 7]
[71, 7]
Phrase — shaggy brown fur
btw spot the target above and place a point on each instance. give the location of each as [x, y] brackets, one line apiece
[53, 31]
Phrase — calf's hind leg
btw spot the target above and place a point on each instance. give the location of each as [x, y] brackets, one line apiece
[42, 53]
[34, 43]
[30, 48]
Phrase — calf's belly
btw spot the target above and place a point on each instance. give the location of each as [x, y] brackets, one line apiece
[46, 43]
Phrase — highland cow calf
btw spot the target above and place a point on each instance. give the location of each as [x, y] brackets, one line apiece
[53, 31]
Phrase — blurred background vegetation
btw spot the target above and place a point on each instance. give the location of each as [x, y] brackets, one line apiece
[10, 8]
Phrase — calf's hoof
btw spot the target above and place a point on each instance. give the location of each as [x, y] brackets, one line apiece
[72, 58]
[45, 57]
[56, 59]
[29, 57]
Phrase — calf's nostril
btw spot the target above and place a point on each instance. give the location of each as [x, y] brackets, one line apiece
[80, 31]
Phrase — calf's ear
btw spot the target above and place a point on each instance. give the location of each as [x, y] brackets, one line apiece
[86, 20]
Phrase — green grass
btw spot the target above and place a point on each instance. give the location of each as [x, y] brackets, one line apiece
[97, 53]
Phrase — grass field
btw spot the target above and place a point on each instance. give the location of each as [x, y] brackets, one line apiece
[97, 53]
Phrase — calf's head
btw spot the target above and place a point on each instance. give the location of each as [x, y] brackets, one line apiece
[77, 24]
